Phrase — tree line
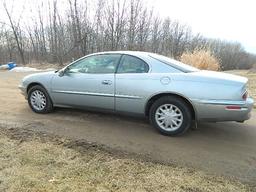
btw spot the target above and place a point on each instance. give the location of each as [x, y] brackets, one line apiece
[60, 33]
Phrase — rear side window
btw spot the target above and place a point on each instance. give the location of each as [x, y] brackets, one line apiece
[131, 64]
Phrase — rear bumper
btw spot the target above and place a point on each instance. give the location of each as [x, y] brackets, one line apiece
[216, 110]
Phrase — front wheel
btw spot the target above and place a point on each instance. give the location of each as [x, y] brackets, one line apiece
[170, 115]
[39, 100]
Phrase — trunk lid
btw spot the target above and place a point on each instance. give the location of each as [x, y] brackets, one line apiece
[219, 77]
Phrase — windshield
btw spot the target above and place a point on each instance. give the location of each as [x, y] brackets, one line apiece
[174, 63]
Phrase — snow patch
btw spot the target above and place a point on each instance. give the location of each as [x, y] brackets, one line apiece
[24, 69]
[50, 69]
[29, 69]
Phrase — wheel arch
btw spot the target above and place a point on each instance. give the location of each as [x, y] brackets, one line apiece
[153, 98]
[32, 84]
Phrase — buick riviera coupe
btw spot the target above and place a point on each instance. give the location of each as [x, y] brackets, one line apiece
[171, 94]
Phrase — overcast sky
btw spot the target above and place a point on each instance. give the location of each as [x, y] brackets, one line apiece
[233, 20]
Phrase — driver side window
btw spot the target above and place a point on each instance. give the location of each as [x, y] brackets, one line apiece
[95, 64]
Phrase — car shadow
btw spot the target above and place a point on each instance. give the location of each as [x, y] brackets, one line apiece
[222, 130]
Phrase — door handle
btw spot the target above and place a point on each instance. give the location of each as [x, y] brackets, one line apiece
[106, 82]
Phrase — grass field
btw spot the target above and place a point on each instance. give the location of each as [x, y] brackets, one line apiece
[38, 162]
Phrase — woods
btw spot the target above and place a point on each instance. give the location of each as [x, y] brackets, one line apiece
[61, 31]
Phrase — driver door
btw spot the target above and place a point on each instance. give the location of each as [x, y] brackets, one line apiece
[89, 82]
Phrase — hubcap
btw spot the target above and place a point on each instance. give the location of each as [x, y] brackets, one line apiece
[38, 100]
[169, 117]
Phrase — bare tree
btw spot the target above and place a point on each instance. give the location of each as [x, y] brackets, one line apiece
[135, 9]
[156, 35]
[17, 34]
[144, 27]
[60, 35]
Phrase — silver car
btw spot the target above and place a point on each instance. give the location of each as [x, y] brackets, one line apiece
[171, 94]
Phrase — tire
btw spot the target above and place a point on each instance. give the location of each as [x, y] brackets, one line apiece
[39, 100]
[170, 115]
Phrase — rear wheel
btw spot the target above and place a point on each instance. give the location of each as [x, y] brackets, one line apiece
[170, 115]
[39, 100]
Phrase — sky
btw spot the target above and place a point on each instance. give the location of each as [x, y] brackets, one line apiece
[233, 20]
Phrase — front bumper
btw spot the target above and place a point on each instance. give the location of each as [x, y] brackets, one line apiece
[23, 90]
[216, 110]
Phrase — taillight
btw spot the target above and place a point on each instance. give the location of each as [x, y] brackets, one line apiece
[233, 107]
[245, 95]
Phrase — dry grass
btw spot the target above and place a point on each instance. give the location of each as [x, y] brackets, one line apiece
[201, 59]
[44, 165]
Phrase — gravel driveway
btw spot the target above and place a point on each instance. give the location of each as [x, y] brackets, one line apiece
[227, 149]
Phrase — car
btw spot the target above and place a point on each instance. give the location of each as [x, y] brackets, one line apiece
[171, 94]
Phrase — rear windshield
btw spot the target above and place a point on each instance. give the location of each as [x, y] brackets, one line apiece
[174, 63]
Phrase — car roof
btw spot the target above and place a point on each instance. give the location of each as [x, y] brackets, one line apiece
[146, 56]
[135, 53]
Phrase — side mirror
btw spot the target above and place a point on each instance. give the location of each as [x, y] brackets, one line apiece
[61, 72]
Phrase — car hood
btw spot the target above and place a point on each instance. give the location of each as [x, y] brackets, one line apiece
[43, 78]
[39, 75]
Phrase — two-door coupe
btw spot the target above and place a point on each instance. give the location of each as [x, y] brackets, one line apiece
[171, 94]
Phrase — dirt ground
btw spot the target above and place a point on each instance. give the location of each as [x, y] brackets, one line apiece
[226, 149]
[37, 161]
